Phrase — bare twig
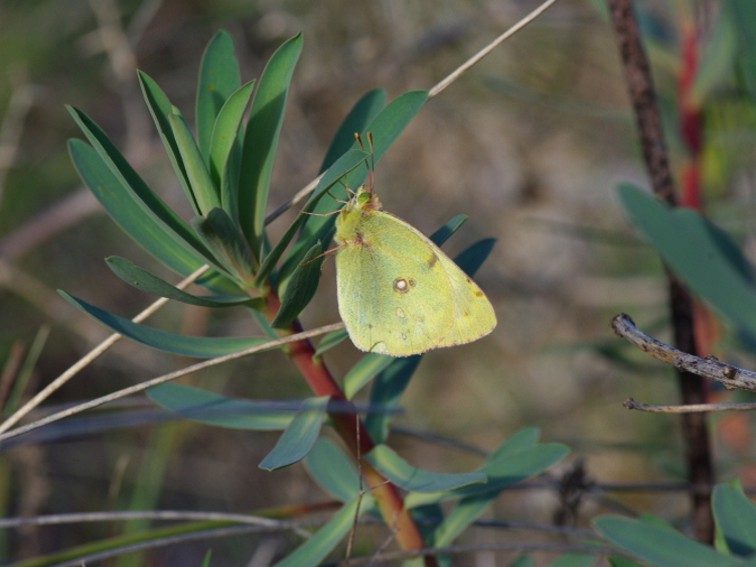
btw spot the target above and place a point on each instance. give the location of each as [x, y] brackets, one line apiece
[83, 362]
[731, 376]
[692, 408]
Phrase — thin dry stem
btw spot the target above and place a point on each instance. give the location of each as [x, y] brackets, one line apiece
[475, 59]
[689, 408]
[117, 395]
[83, 362]
[731, 376]
[161, 515]
[435, 90]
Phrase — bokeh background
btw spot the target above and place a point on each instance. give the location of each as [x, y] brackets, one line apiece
[530, 144]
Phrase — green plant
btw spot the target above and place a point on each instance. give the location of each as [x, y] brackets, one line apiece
[225, 173]
[241, 267]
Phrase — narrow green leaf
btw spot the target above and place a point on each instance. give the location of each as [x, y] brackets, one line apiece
[300, 248]
[511, 463]
[519, 466]
[225, 147]
[223, 237]
[333, 471]
[197, 347]
[659, 546]
[357, 120]
[207, 407]
[130, 213]
[367, 368]
[735, 515]
[401, 473]
[446, 231]
[150, 283]
[388, 388]
[393, 119]
[472, 258]
[386, 128]
[161, 110]
[331, 340]
[300, 288]
[315, 549]
[269, 264]
[219, 76]
[206, 194]
[300, 436]
[699, 253]
[123, 181]
[319, 226]
[520, 440]
[261, 140]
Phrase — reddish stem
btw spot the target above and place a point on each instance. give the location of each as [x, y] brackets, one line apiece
[347, 424]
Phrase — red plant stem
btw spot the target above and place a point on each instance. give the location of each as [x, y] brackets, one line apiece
[692, 388]
[691, 130]
[389, 500]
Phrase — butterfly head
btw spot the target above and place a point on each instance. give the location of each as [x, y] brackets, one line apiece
[365, 200]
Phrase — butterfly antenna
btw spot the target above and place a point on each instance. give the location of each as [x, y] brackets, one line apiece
[369, 161]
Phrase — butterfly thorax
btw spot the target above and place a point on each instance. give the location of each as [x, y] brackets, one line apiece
[360, 207]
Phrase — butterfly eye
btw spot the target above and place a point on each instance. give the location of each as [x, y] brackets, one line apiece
[363, 196]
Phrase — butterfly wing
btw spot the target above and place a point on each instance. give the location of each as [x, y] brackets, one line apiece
[399, 294]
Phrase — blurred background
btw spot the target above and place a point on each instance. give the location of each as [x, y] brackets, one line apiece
[530, 144]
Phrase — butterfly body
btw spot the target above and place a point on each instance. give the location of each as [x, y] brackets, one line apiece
[398, 293]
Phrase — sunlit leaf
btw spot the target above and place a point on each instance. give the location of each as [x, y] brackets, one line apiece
[261, 140]
[219, 76]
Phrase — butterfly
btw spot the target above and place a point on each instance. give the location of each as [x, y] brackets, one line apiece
[398, 293]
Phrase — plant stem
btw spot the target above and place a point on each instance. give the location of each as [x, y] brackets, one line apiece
[692, 387]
